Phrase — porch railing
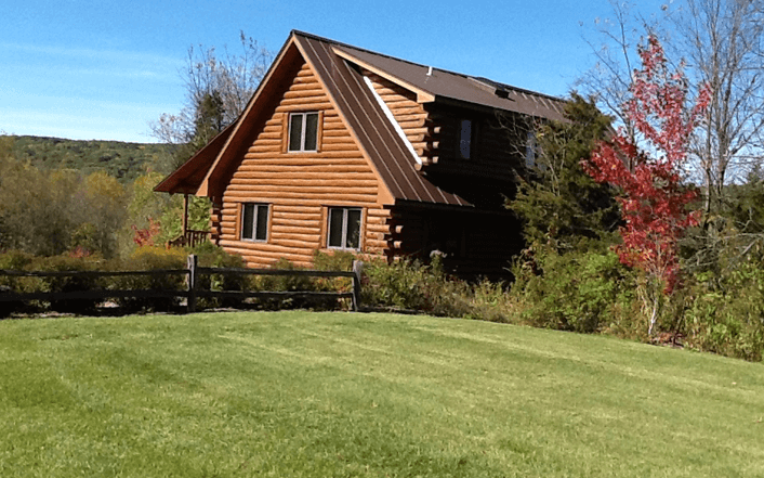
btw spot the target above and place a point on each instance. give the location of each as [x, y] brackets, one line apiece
[190, 238]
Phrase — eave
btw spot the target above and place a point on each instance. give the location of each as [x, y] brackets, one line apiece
[187, 178]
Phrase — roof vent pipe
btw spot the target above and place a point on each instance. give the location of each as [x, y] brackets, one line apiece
[429, 71]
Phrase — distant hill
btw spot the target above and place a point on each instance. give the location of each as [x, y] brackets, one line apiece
[124, 161]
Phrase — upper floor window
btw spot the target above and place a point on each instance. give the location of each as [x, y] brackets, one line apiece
[344, 228]
[530, 149]
[254, 222]
[303, 131]
[465, 139]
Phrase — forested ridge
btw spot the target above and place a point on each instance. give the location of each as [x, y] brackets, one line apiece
[124, 161]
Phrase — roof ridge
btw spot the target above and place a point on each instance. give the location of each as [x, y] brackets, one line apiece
[463, 75]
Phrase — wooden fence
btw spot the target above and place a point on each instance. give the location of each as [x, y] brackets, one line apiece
[192, 291]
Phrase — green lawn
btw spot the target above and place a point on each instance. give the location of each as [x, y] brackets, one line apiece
[340, 394]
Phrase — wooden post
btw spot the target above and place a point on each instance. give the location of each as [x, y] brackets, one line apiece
[357, 273]
[185, 215]
[192, 263]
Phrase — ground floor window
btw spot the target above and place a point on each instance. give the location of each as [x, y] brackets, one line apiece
[344, 228]
[254, 222]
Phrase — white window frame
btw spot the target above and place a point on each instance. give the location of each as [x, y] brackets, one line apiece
[344, 235]
[304, 115]
[258, 209]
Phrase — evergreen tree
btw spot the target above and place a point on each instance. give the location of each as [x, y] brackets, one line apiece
[560, 204]
[209, 121]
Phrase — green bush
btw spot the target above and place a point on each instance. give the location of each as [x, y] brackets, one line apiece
[210, 255]
[410, 285]
[491, 302]
[15, 260]
[398, 285]
[151, 258]
[728, 320]
[334, 261]
[577, 291]
[71, 284]
[285, 284]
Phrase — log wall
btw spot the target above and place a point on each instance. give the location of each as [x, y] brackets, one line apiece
[301, 186]
[411, 116]
[495, 144]
[434, 131]
[475, 245]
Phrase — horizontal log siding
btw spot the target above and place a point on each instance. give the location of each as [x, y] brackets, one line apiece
[497, 146]
[410, 115]
[299, 186]
[474, 245]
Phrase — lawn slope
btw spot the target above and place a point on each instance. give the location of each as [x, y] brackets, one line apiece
[373, 395]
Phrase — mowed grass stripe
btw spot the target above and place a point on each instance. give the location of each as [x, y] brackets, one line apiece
[340, 394]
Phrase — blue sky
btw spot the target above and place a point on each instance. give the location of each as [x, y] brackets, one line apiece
[84, 69]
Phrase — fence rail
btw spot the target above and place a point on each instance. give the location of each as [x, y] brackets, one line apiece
[192, 290]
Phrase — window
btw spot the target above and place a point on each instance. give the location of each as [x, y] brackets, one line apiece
[344, 228]
[465, 139]
[303, 132]
[254, 222]
[530, 149]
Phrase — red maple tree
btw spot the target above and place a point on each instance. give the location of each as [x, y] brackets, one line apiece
[655, 198]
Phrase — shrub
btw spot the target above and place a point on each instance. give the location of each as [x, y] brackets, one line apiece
[69, 283]
[15, 260]
[210, 255]
[151, 258]
[410, 285]
[491, 302]
[284, 284]
[728, 320]
[398, 285]
[577, 291]
[333, 261]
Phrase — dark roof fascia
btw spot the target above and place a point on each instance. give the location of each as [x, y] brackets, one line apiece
[365, 50]
[491, 83]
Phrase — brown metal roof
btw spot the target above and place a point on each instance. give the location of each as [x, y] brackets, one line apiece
[443, 84]
[337, 67]
[385, 148]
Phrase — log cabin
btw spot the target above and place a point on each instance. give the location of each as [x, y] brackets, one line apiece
[341, 148]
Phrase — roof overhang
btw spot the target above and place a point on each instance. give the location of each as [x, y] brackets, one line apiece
[187, 178]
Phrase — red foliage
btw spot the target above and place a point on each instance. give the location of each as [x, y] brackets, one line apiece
[80, 252]
[145, 237]
[655, 200]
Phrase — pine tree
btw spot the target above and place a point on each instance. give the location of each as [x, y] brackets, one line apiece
[561, 205]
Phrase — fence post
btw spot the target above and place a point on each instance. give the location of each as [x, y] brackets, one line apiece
[191, 264]
[357, 273]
